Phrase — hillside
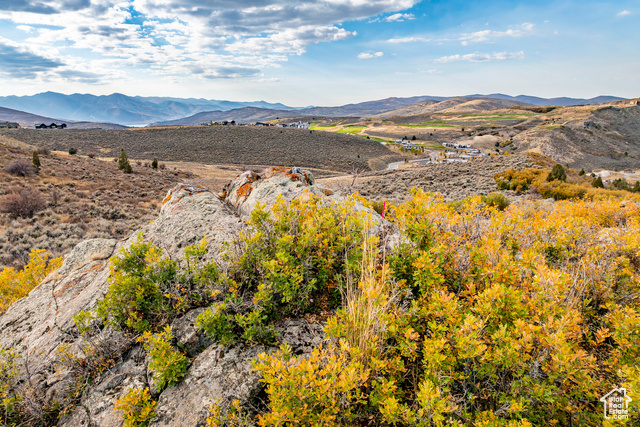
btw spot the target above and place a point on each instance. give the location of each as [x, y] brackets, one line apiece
[592, 136]
[606, 137]
[10, 115]
[237, 145]
[83, 198]
[243, 308]
[453, 105]
[561, 101]
[118, 108]
[137, 110]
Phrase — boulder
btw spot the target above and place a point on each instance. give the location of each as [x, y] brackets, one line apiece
[249, 187]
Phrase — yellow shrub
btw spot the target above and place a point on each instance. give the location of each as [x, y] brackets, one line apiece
[519, 317]
[137, 407]
[17, 284]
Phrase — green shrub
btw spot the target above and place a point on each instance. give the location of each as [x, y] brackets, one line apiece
[36, 160]
[169, 366]
[146, 292]
[217, 323]
[154, 163]
[123, 162]
[73, 151]
[290, 260]
[8, 371]
[557, 173]
[597, 183]
[496, 200]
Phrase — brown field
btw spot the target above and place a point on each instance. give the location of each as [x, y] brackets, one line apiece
[220, 145]
[84, 198]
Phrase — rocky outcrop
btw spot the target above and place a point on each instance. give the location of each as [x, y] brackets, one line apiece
[249, 187]
[41, 325]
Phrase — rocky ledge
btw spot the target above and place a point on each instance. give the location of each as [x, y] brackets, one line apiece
[40, 327]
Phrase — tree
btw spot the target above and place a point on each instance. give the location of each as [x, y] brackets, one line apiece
[123, 162]
[36, 160]
[413, 138]
[582, 172]
[557, 174]
[154, 163]
[597, 183]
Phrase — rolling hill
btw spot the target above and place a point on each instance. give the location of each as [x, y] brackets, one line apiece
[137, 111]
[10, 115]
[453, 105]
[28, 120]
[119, 108]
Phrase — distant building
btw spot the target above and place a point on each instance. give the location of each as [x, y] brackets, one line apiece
[51, 126]
[299, 125]
[9, 125]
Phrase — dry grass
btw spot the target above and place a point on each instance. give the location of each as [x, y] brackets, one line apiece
[233, 145]
[83, 198]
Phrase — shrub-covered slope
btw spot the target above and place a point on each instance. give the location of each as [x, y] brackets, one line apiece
[314, 310]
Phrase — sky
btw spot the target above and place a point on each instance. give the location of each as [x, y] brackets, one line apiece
[310, 52]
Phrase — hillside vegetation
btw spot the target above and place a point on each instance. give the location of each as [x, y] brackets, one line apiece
[474, 317]
[221, 145]
[75, 197]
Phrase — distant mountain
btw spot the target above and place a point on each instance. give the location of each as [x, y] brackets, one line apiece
[456, 105]
[251, 115]
[561, 102]
[239, 115]
[119, 108]
[138, 110]
[10, 115]
[29, 120]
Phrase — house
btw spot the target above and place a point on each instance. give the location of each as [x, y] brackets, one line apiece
[51, 126]
[408, 145]
[9, 125]
[262, 124]
[299, 125]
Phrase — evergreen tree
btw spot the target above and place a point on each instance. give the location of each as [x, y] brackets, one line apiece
[123, 162]
[36, 160]
[582, 172]
[154, 163]
[597, 183]
[557, 174]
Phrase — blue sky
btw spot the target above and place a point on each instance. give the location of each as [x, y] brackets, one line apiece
[320, 52]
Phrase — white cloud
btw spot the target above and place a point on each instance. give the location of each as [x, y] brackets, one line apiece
[482, 57]
[369, 55]
[221, 39]
[489, 35]
[408, 40]
[290, 41]
[624, 13]
[399, 17]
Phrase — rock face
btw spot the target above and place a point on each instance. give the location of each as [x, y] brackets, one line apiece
[42, 324]
[250, 187]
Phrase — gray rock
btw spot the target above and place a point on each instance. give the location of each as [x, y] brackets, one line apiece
[193, 341]
[217, 373]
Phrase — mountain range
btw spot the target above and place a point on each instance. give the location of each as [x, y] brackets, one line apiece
[140, 111]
